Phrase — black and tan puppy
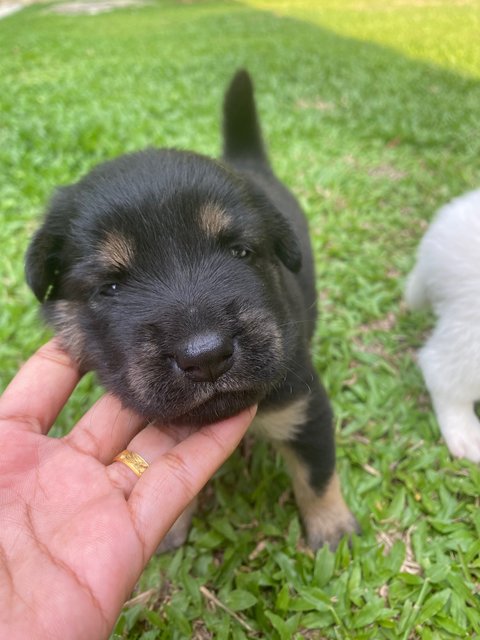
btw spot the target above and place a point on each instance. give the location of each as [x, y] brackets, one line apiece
[187, 284]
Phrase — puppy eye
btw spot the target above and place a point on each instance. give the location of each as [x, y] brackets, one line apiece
[240, 252]
[109, 289]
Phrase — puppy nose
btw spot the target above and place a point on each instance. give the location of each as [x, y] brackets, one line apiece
[205, 357]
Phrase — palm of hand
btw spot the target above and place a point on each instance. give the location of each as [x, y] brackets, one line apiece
[76, 529]
[69, 535]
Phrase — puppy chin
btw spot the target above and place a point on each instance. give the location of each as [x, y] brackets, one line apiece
[219, 407]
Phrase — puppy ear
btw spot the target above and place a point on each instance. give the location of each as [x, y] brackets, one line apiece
[286, 243]
[43, 260]
[41, 264]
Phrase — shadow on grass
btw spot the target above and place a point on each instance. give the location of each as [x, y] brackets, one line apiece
[372, 93]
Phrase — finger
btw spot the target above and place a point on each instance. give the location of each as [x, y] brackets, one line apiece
[172, 481]
[105, 429]
[151, 443]
[37, 394]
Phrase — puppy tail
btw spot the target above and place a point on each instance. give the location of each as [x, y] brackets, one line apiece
[241, 130]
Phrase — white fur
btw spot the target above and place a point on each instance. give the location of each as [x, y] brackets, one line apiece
[447, 278]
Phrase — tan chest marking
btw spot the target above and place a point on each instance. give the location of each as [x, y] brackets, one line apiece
[282, 424]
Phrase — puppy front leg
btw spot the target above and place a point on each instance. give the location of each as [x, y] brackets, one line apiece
[449, 364]
[310, 456]
[324, 512]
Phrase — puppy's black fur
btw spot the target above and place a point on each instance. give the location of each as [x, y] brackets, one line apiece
[187, 284]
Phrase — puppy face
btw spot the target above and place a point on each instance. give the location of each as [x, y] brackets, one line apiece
[165, 273]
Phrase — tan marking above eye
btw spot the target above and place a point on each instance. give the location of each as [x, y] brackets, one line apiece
[213, 220]
[116, 250]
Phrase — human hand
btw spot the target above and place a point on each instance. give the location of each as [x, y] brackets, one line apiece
[76, 530]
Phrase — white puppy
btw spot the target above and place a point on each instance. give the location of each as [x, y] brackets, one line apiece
[447, 278]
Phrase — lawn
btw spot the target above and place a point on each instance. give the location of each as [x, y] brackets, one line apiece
[372, 114]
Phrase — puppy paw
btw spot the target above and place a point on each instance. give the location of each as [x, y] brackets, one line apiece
[178, 533]
[326, 516]
[460, 427]
[329, 527]
[464, 441]
[172, 540]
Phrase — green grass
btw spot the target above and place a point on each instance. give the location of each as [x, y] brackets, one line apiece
[371, 112]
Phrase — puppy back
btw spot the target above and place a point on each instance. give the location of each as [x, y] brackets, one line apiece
[241, 129]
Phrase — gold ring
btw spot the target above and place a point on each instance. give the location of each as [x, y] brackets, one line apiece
[133, 460]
